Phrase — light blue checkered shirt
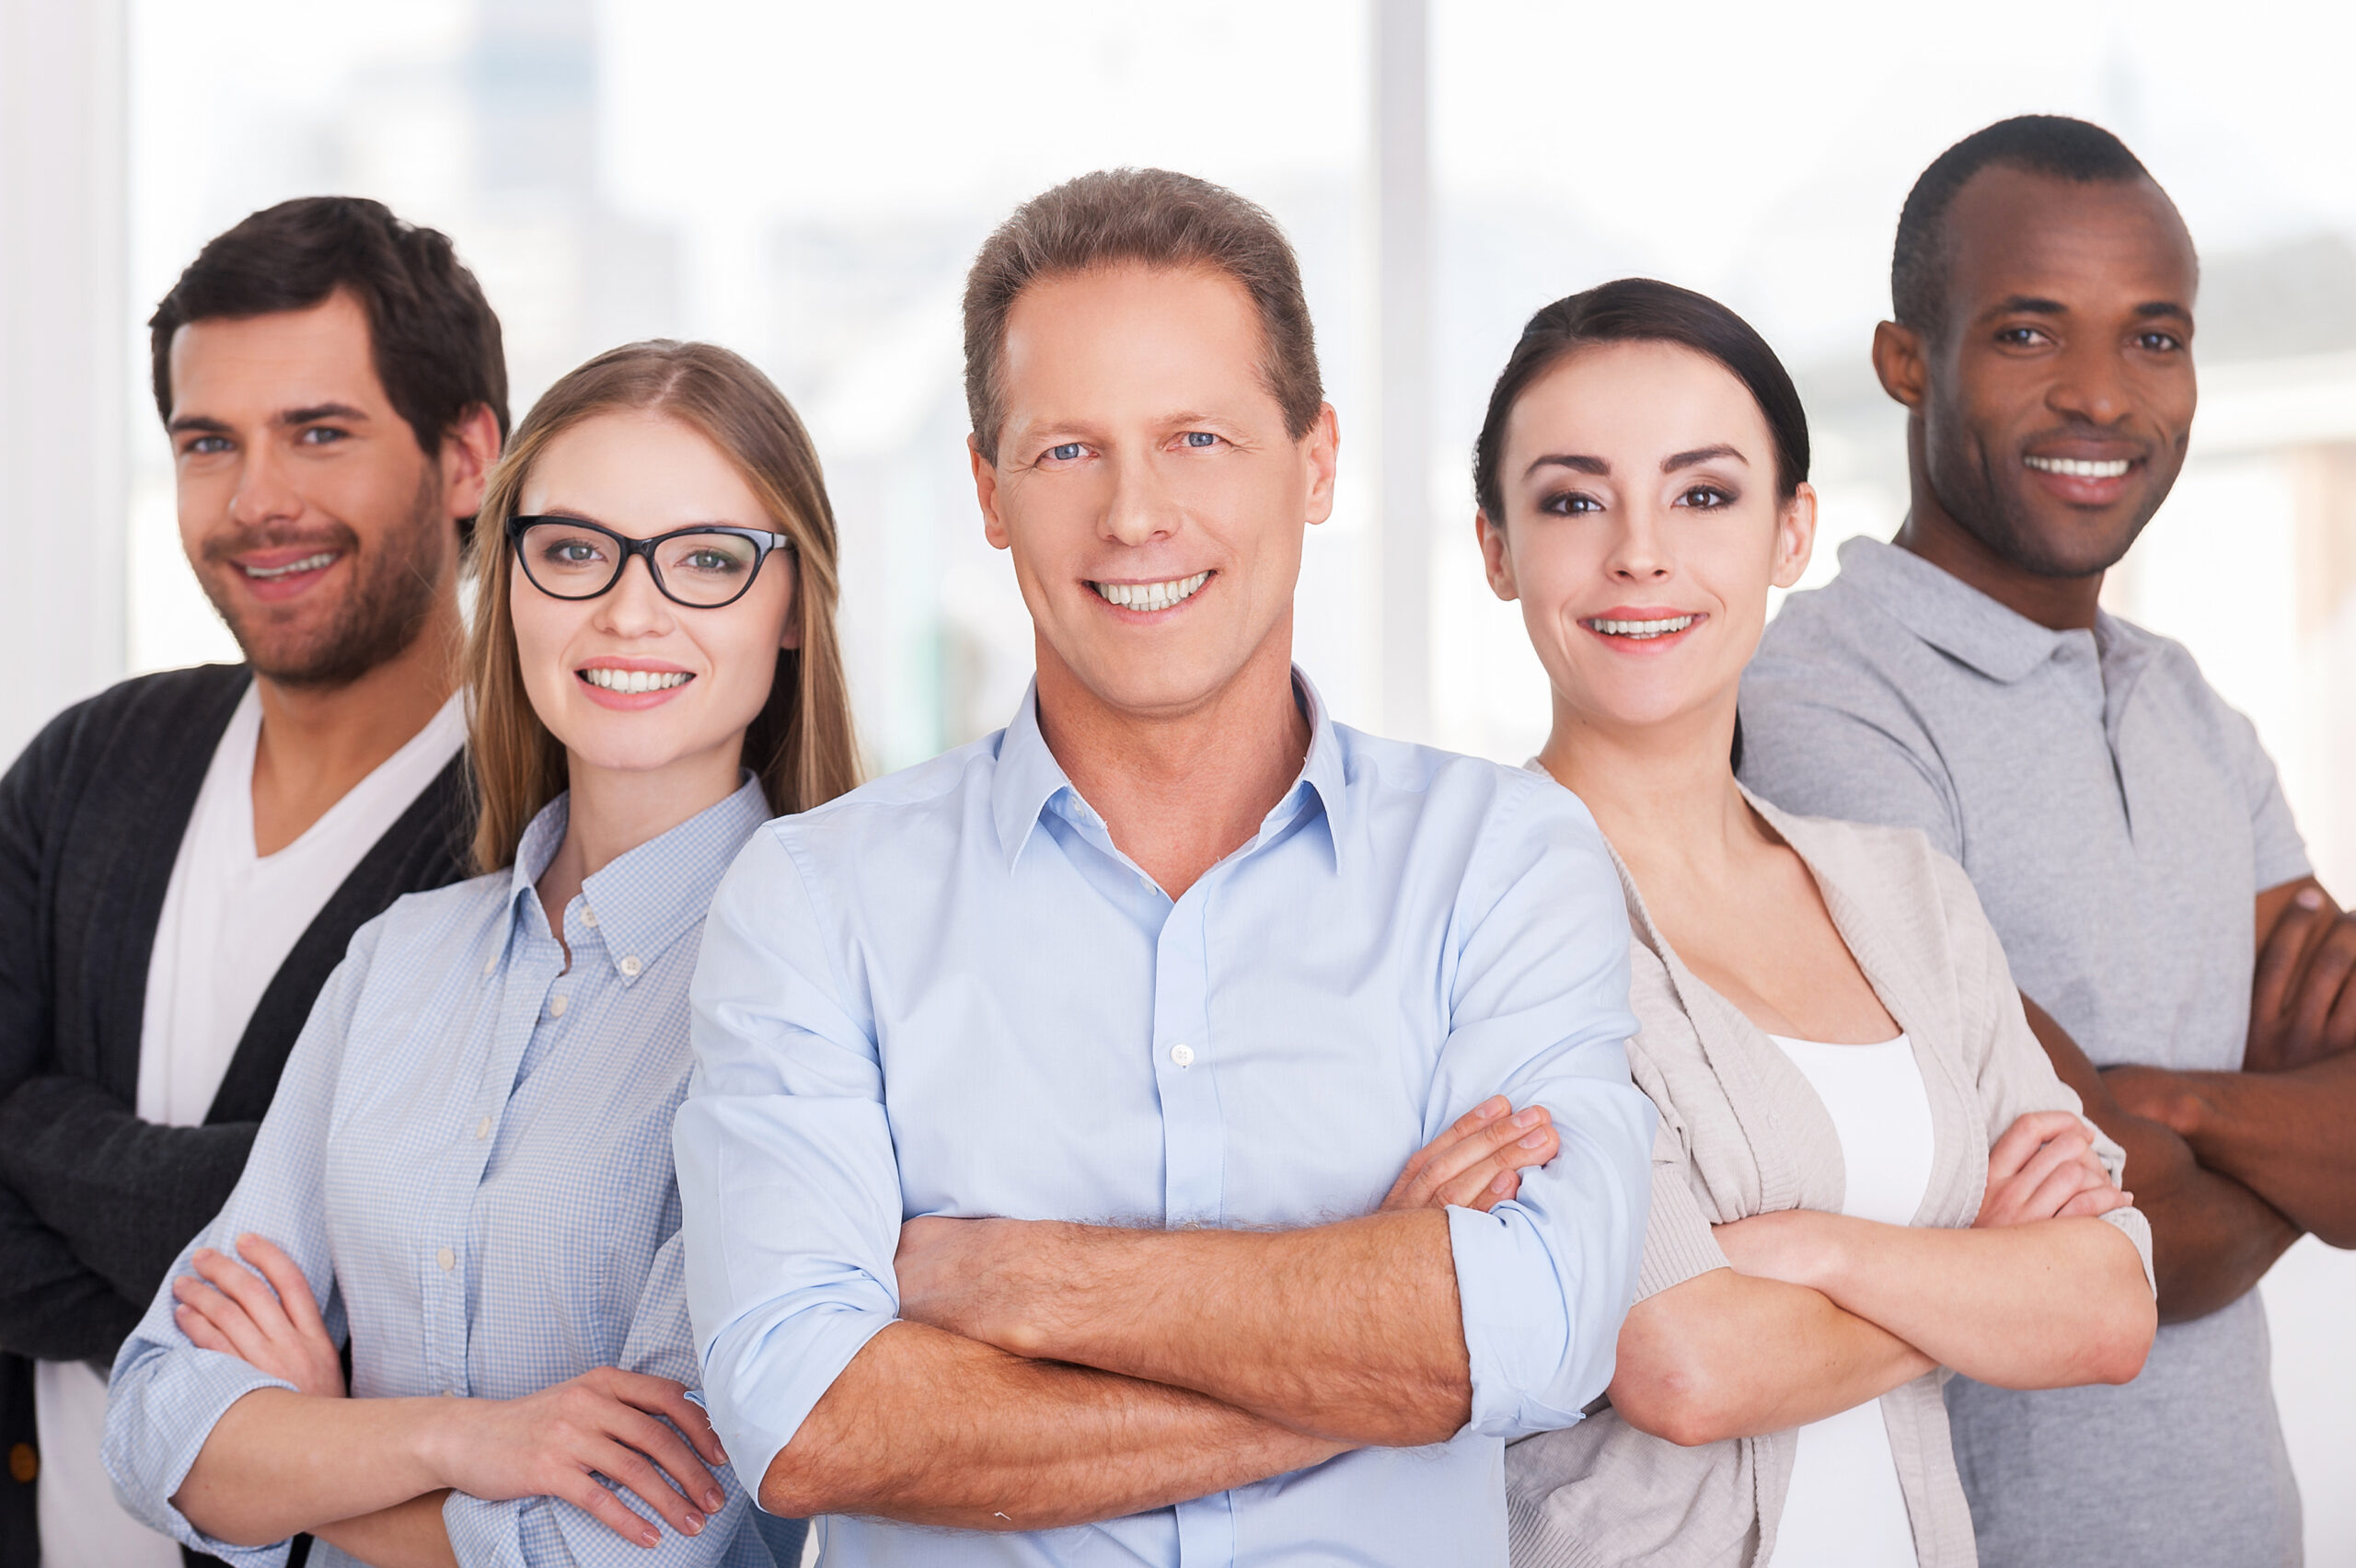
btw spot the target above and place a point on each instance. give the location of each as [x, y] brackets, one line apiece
[470, 1156]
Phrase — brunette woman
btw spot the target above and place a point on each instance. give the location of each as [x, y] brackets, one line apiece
[1867, 1171]
[467, 1175]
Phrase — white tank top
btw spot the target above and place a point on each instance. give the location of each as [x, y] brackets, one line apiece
[1844, 1508]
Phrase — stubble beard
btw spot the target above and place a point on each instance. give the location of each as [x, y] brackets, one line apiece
[1963, 479]
[383, 608]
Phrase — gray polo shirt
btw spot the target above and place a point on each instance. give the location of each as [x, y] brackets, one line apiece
[2118, 821]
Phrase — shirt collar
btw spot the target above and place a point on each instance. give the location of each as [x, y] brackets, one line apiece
[1949, 613]
[1028, 777]
[645, 900]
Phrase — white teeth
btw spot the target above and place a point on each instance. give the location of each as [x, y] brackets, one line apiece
[630, 681]
[1640, 629]
[1150, 595]
[309, 563]
[2079, 467]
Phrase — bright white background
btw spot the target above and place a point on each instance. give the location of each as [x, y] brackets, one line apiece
[805, 182]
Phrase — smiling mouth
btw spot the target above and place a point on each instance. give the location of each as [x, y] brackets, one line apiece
[309, 563]
[1150, 597]
[2081, 467]
[631, 682]
[1639, 629]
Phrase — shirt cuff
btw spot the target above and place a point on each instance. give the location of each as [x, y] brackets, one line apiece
[764, 1374]
[153, 1447]
[487, 1533]
[1516, 1316]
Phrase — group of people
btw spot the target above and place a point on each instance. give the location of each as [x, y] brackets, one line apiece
[496, 1088]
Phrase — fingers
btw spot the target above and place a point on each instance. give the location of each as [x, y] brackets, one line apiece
[227, 1317]
[242, 1286]
[694, 1487]
[2279, 956]
[2319, 982]
[1497, 1176]
[627, 1467]
[2022, 1140]
[580, 1489]
[2050, 1192]
[292, 1286]
[1509, 1143]
[2092, 1202]
[661, 1396]
[199, 1329]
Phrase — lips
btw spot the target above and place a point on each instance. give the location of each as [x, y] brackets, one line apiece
[1151, 598]
[2082, 471]
[630, 686]
[281, 574]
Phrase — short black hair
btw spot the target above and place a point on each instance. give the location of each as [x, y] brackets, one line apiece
[1643, 310]
[2052, 144]
[435, 337]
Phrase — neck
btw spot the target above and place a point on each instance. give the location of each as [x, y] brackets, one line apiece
[316, 742]
[1180, 791]
[1931, 531]
[1663, 794]
[612, 810]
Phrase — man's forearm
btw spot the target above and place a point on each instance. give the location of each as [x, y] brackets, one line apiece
[1350, 1330]
[2212, 1238]
[931, 1428]
[2285, 1135]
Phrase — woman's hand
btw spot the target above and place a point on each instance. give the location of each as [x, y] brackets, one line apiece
[557, 1442]
[1477, 1163]
[275, 1328]
[2045, 1168]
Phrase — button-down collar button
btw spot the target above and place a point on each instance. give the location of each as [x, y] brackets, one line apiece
[631, 965]
[557, 1005]
[589, 917]
[491, 965]
[1183, 1054]
[446, 1258]
[482, 1128]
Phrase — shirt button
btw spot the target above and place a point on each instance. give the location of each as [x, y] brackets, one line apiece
[589, 917]
[1183, 1054]
[629, 965]
[446, 1258]
[482, 1128]
[557, 1005]
[491, 965]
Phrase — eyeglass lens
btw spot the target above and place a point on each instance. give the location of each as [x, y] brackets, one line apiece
[573, 562]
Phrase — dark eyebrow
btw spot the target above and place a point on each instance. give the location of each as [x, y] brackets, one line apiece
[1677, 460]
[2028, 304]
[183, 424]
[316, 413]
[2157, 308]
[1579, 462]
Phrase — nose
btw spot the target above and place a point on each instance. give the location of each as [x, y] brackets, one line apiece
[1140, 509]
[633, 607]
[2092, 385]
[1639, 551]
[264, 494]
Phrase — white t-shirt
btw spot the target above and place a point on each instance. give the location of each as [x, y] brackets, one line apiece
[230, 918]
[1844, 1508]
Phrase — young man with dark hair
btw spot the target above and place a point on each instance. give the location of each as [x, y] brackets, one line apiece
[2123, 826]
[1043, 1171]
[184, 858]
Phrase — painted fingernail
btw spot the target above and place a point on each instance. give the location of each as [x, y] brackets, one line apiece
[1528, 1118]
[1534, 1140]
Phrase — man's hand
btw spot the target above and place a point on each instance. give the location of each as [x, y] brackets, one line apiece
[1477, 1163]
[2045, 1168]
[273, 1327]
[2301, 1006]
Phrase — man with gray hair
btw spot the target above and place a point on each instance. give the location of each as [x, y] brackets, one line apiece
[1043, 1171]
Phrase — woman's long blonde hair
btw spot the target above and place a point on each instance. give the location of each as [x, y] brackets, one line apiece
[800, 744]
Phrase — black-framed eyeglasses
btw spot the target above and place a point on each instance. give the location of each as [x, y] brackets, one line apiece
[703, 567]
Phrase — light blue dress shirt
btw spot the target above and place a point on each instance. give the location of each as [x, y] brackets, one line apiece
[948, 993]
[470, 1156]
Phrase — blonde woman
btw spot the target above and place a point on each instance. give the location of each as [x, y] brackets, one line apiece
[465, 1176]
[1866, 1170]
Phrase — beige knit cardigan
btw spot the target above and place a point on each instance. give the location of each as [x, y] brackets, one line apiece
[1742, 1133]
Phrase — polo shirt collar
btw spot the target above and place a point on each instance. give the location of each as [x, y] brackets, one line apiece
[1949, 613]
[1028, 776]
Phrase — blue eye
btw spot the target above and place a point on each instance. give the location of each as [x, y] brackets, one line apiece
[1069, 452]
[1200, 438]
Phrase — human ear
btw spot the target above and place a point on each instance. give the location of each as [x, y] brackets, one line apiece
[1898, 360]
[1495, 559]
[985, 493]
[1323, 447]
[1794, 536]
[469, 454]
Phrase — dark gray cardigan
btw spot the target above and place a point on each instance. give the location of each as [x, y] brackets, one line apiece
[94, 1202]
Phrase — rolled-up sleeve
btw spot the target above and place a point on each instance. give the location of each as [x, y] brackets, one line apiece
[166, 1395]
[789, 1189]
[1538, 1011]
